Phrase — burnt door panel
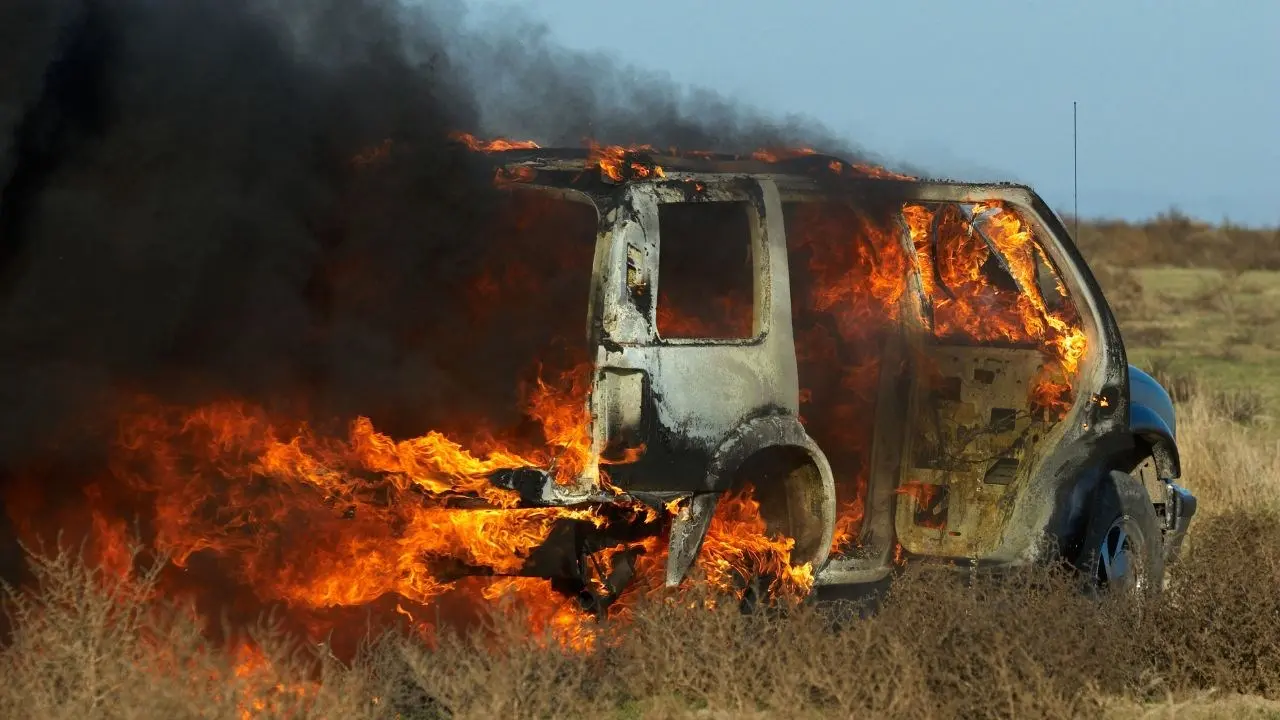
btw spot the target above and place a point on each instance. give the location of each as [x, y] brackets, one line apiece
[709, 325]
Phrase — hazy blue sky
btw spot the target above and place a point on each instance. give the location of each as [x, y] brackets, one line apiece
[1179, 100]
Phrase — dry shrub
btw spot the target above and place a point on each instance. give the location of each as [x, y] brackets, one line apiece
[1230, 466]
[940, 646]
[500, 670]
[1174, 239]
[1208, 705]
[1124, 291]
[87, 644]
[79, 648]
[1027, 645]
[1219, 626]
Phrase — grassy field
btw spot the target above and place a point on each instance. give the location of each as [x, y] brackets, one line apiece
[1210, 648]
[1222, 327]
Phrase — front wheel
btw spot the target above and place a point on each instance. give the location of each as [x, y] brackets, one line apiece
[1121, 550]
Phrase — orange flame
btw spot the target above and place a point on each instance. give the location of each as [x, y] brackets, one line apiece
[772, 156]
[511, 176]
[617, 162]
[494, 145]
[376, 543]
[858, 270]
[262, 692]
[738, 542]
[967, 305]
[551, 614]
[835, 166]
[923, 494]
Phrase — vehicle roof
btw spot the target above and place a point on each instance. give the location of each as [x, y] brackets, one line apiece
[802, 166]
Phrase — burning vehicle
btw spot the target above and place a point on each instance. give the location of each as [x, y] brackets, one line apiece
[887, 368]
[768, 374]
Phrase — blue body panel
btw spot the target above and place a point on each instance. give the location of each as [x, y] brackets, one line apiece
[1151, 417]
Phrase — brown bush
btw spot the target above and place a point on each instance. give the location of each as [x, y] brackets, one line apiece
[1123, 290]
[89, 645]
[1026, 646]
[1221, 618]
[1174, 239]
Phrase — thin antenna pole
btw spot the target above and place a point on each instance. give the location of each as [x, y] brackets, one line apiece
[1075, 172]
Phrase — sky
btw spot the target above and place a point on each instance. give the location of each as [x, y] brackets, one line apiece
[1178, 102]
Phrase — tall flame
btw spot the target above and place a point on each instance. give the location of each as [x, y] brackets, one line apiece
[382, 515]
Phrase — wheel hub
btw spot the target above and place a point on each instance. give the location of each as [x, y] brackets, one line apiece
[1119, 558]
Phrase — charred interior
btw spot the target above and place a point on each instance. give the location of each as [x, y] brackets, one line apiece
[942, 392]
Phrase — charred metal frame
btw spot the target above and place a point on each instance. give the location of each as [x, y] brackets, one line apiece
[697, 411]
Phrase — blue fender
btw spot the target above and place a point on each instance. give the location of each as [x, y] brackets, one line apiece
[1152, 418]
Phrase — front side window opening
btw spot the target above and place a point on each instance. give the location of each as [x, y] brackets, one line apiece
[985, 274]
[989, 282]
[706, 277]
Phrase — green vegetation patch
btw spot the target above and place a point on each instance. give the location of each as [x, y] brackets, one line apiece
[1220, 327]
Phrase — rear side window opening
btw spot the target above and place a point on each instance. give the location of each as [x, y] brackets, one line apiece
[706, 278]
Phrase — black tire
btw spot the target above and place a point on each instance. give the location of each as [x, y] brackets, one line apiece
[1121, 547]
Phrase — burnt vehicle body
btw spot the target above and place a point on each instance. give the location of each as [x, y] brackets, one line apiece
[685, 417]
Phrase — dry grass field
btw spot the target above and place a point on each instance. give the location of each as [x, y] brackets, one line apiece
[88, 645]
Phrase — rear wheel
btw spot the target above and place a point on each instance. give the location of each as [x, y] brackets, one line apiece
[787, 488]
[1120, 552]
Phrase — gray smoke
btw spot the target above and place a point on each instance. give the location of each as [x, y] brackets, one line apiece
[524, 83]
[180, 215]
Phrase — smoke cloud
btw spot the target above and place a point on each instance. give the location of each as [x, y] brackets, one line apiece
[181, 216]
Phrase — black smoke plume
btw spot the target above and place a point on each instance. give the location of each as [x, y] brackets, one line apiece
[181, 214]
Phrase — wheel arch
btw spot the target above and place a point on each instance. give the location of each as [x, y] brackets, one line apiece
[768, 443]
[1153, 422]
[1154, 436]
[752, 440]
[1122, 451]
